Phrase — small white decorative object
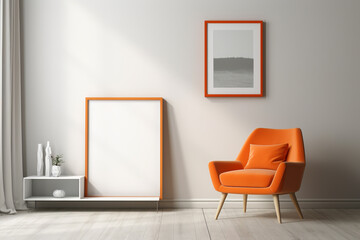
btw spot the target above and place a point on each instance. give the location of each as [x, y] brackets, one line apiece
[40, 161]
[59, 193]
[48, 161]
[56, 171]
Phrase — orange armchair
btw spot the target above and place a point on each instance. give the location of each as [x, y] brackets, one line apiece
[231, 177]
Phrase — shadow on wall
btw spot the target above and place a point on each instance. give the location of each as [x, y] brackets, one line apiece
[173, 163]
[331, 175]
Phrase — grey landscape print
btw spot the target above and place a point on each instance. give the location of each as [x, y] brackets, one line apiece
[233, 59]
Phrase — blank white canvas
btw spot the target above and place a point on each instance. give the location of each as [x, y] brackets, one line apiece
[124, 148]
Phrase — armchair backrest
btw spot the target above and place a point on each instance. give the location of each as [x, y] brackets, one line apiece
[267, 136]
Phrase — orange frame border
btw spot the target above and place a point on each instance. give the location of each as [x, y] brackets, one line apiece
[87, 139]
[261, 61]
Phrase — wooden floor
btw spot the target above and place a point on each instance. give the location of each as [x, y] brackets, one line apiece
[181, 224]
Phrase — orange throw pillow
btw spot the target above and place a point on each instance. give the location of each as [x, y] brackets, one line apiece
[266, 156]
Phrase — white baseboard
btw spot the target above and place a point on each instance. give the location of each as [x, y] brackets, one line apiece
[262, 204]
[206, 203]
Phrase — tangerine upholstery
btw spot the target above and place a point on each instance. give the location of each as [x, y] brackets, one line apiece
[247, 178]
[231, 177]
[266, 156]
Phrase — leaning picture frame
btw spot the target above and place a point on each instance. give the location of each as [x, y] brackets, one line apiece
[124, 148]
[234, 58]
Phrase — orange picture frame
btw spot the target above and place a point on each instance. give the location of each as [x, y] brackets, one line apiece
[209, 87]
[87, 100]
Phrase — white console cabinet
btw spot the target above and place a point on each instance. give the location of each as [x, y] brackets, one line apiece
[42, 188]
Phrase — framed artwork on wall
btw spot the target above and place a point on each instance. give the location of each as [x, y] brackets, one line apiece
[233, 59]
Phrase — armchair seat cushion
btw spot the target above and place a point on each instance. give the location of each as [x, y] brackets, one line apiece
[259, 178]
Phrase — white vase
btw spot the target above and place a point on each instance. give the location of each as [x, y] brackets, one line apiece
[59, 193]
[40, 161]
[56, 171]
[48, 162]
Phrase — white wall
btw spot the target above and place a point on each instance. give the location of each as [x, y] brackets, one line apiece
[74, 49]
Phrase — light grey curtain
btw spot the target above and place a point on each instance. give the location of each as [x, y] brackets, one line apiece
[11, 160]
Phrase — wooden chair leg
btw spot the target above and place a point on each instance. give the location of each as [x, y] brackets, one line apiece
[221, 203]
[245, 202]
[294, 200]
[277, 207]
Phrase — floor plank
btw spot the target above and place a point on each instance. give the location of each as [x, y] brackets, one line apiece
[183, 224]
